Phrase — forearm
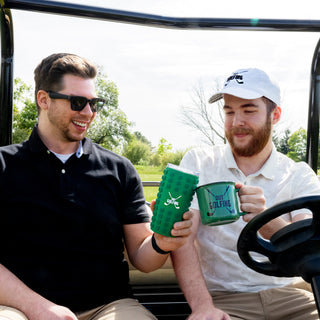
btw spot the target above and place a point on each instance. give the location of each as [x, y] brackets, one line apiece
[278, 223]
[146, 258]
[272, 227]
[14, 293]
[189, 275]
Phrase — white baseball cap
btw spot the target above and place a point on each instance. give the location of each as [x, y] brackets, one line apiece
[249, 84]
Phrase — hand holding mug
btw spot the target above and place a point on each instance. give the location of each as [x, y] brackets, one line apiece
[252, 200]
[225, 202]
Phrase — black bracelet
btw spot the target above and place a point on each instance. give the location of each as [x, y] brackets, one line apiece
[156, 248]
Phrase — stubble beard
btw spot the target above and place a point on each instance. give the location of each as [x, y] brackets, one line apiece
[62, 127]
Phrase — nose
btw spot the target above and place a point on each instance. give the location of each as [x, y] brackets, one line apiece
[238, 120]
[87, 110]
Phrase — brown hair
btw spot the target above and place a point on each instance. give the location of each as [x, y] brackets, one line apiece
[270, 105]
[48, 75]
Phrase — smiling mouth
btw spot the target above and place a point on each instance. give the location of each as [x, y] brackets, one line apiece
[240, 135]
[80, 124]
[241, 131]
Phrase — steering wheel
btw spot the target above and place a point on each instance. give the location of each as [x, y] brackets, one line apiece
[293, 250]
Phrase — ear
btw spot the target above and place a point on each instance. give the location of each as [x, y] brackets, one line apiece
[276, 115]
[43, 99]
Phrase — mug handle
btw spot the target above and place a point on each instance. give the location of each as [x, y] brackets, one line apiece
[244, 212]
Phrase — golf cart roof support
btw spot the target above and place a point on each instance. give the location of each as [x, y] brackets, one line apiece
[313, 114]
[6, 76]
[84, 11]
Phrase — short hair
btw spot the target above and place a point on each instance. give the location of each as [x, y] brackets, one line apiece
[48, 75]
[270, 105]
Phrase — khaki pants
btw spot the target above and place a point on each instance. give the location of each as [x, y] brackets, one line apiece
[123, 309]
[285, 303]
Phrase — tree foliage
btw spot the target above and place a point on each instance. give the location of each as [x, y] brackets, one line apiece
[163, 147]
[298, 145]
[24, 111]
[111, 126]
[164, 154]
[282, 143]
[138, 150]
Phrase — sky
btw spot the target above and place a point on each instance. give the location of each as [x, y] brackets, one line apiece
[157, 69]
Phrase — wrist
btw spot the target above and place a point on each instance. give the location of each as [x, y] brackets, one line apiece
[156, 247]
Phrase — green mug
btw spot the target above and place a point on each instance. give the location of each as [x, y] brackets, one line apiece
[218, 203]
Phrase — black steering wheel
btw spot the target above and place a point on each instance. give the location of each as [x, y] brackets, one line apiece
[292, 251]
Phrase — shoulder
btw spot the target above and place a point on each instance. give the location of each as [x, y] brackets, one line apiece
[197, 158]
[98, 150]
[12, 149]
[283, 160]
[110, 160]
[12, 155]
[300, 173]
[205, 152]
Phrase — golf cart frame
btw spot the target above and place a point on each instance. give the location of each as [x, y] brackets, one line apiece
[164, 297]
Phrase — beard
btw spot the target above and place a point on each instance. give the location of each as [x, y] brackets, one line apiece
[259, 139]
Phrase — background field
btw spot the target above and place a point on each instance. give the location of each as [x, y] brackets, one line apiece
[150, 173]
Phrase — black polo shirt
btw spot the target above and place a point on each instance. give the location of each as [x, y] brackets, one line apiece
[61, 224]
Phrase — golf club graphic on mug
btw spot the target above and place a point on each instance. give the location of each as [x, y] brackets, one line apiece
[174, 197]
[218, 203]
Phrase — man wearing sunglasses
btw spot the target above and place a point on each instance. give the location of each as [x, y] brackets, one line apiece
[70, 207]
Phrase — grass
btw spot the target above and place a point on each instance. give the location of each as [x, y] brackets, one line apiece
[149, 173]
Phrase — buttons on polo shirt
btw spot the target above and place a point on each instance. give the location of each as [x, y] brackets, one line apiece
[48, 152]
[66, 185]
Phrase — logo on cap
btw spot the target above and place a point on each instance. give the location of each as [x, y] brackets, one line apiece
[249, 83]
[235, 76]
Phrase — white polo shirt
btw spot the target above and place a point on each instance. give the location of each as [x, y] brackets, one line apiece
[281, 179]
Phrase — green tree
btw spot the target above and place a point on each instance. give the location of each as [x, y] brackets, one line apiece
[111, 126]
[172, 157]
[164, 154]
[138, 135]
[137, 151]
[281, 143]
[24, 111]
[110, 129]
[163, 147]
[298, 145]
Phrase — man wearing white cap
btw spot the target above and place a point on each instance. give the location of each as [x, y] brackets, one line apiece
[217, 285]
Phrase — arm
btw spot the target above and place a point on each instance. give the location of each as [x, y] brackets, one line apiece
[14, 293]
[139, 246]
[253, 201]
[187, 268]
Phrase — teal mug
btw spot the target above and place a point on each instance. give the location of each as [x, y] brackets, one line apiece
[218, 203]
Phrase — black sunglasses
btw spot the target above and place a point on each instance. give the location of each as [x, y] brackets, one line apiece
[78, 102]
